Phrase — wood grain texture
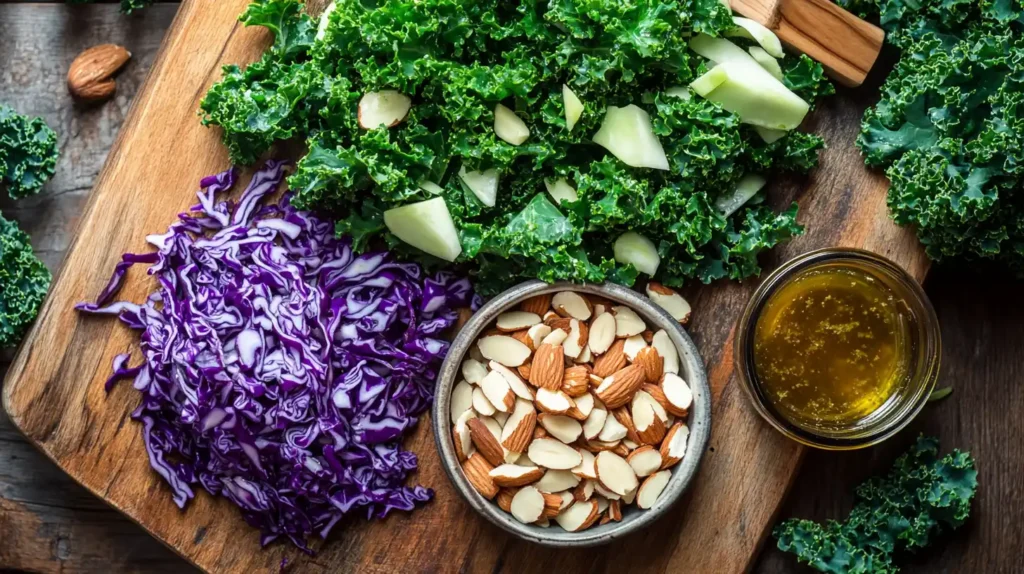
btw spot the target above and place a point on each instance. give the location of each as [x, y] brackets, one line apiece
[60, 404]
[846, 45]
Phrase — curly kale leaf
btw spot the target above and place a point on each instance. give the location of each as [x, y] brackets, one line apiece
[921, 496]
[28, 153]
[24, 281]
[457, 60]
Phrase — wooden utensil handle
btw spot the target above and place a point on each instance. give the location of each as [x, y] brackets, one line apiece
[844, 44]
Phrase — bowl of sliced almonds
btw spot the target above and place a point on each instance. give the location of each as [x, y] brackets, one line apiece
[572, 415]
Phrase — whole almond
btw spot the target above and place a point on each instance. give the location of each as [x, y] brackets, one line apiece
[539, 304]
[547, 367]
[652, 363]
[486, 443]
[90, 77]
[524, 370]
[612, 360]
[576, 380]
[478, 473]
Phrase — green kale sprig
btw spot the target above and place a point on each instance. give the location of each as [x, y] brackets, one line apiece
[457, 60]
[904, 510]
[24, 281]
[949, 129]
[28, 153]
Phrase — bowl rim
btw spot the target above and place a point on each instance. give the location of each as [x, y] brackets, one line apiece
[699, 418]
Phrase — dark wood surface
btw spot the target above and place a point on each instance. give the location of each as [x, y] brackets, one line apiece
[47, 523]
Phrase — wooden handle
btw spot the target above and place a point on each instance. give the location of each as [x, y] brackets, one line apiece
[844, 44]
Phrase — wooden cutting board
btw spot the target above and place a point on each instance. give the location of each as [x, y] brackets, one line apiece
[54, 390]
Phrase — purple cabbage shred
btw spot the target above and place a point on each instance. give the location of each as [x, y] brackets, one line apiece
[282, 370]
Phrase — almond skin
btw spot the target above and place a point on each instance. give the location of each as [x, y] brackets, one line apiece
[547, 368]
[90, 77]
[652, 363]
[486, 444]
[653, 434]
[622, 415]
[623, 385]
[524, 370]
[556, 322]
[478, 473]
[615, 510]
[552, 505]
[611, 360]
[539, 304]
[522, 435]
[576, 380]
[504, 498]
[530, 477]
[659, 395]
[523, 337]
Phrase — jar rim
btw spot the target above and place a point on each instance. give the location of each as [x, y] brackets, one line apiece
[920, 382]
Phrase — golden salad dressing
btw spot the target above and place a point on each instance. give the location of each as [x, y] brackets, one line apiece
[830, 346]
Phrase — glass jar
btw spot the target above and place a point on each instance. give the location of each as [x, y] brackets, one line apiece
[919, 351]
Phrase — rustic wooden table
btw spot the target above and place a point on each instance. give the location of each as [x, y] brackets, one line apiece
[49, 524]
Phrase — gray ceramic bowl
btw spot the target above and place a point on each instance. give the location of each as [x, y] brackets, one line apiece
[633, 519]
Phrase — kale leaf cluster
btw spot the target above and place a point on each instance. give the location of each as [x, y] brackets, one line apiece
[458, 59]
[28, 153]
[922, 495]
[24, 281]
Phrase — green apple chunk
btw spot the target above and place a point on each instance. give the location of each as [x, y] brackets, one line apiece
[752, 94]
[573, 107]
[509, 127]
[483, 184]
[746, 188]
[427, 226]
[560, 190]
[635, 249]
[770, 64]
[627, 134]
[753, 30]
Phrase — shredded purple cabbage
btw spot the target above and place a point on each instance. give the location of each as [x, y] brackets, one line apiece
[280, 369]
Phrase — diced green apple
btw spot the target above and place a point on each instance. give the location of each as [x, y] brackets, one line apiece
[718, 50]
[560, 190]
[386, 107]
[769, 135]
[633, 248]
[509, 127]
[627, 134]
[770, 64]
[681, 92]
[426, 225]
[746, 188]
[753, 30]
[431, 187]
[483, 184]
[753, 94]
[324, 19]
[573, 107]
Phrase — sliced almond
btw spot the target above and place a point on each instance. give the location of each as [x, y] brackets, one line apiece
[567, 499]
[673, 447]
[613, 430]
[504, 349]
[524, 371]
[500, 418]
[672, 302]
[486, 442]
[629, 497]
[497, 390]
[649, 426]
[576, 380]
[596, 446]
[553, 503]
[614, 473]
[622, 415]
[540, 432]
[605, 494]
[594, 423]
[585, 355]
[586, 467]
[581, 410]
[553, 402]
[561, 427]
[516, 320]
[599, 309]
[577, 339]
[537, 333]
[527, 505]
[572, 304]
[524, 460]
[619, 387]
[520, 388]
[462, 399]
[652, 363]
[627, 322]
[547, 367]
[538, 304]
[504, 498]
[463, 440]
[678, 393]
[602, 333]
[658, 395]
[556, 337]
[477, 471]
[584, 490]
[476, 355]
[667, 349]
[645, 460]
[517, 432]
[553, 454]
[579, 516]
[515, 475]
[480, 403]
[633, 346]
[473, 371]
[558, 323]
[595, 381]
[556, 481]
[549, 315]
[615, 510]
[620, 449]
[612, 360]
[652, 488]
[523, 336]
